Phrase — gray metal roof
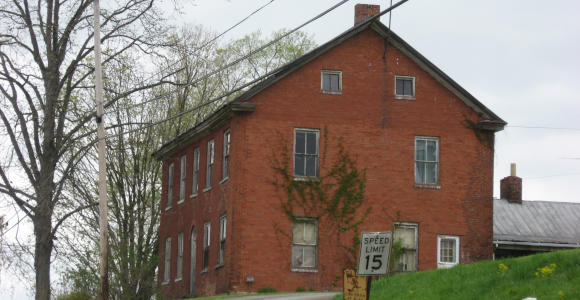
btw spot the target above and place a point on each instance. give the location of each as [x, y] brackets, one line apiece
[538, 222]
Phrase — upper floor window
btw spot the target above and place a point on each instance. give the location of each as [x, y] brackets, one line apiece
[304, 244]
[222, 250]
[182, 169]
[195, 176]
[167, 265]
[210, 156]
[404, 87]
[226, 155]
[169, 186]
[331, 81]
[306, 152]
[447, 251]
[426, 160]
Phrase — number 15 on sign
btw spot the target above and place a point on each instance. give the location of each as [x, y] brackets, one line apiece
[375, 248]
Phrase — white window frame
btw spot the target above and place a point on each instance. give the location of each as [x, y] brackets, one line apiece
[331, 72]
[415, 227]
[226, 156]
[169, 187]
[206, 244]
[167, 267]
[222, 237]
[423, 181]
[317, 171]
[195, 177]
[313, 268]
[179, 268]
[403, 96]
[442, 264]
[182, 170]
[209, 164]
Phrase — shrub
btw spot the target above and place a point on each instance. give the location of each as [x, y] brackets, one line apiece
[266, 289]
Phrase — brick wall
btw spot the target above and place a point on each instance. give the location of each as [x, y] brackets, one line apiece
[379, 131]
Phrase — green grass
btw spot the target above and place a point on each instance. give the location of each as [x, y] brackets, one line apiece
[554, 275]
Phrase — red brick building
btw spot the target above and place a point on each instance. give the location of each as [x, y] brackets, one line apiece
[427, 146]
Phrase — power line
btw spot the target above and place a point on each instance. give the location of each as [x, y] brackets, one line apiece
[194, 52]
[251, 82]
[251, 53]
[543, 127]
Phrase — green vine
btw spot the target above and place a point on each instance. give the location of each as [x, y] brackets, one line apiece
[482, 136]
[336, 195]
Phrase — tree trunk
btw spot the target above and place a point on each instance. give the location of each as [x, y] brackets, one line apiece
[42, 254]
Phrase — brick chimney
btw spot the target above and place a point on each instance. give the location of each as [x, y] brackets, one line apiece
[362, 11]
[511, 187]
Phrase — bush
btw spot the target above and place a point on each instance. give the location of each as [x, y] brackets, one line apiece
[266, 289]
[300, 289]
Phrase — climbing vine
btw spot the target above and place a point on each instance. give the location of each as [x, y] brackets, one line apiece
[336, 195]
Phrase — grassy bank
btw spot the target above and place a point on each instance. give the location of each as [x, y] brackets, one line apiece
[554, 275]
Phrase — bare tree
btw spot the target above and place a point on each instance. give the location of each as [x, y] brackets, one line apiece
[45, 83]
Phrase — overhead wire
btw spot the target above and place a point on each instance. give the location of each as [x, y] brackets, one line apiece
[197, 49]
[244, 57]
[238, 60]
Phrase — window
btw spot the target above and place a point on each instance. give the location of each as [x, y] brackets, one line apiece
[404, 87]
[208, 175]
[331, 81]
[226, 155]
[447, 251]
[222, 253]
[406, 233]
[304, 242]
[306, 152]
[166, 271]
[427, 160]
[195, 171]
[206, 237]
[182, 179]
[179, 256]
[169, 186]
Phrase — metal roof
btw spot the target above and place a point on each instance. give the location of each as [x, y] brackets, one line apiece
[536, 222]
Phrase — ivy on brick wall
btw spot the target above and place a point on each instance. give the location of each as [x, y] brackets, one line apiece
[336, 196]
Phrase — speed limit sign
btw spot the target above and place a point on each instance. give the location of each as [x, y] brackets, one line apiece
[375, 248]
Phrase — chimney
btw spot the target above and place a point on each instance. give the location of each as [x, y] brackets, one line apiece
[363, 11]
[511, 187]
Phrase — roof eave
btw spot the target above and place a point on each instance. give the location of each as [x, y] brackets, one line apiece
[202, 129]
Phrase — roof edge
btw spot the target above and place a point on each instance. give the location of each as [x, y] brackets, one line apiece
[202, 129]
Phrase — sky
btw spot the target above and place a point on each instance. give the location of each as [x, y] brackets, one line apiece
[518, 57]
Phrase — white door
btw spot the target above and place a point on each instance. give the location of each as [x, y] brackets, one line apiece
[192, 265]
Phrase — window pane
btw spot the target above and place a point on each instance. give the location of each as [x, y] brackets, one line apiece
[309, 256]
[419, 172]
[431, 173]
[311, 144]
[334, 82]
[299, 165]
[408, 87]
[431, 150]
[407, 237]
[298, 233]
[309, 233]
[297, 257]
[326, 82]
[300, 142]
[399, 87]
[420, 150]
[311, 166]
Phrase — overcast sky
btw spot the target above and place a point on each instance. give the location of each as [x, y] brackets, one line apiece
[519, 58]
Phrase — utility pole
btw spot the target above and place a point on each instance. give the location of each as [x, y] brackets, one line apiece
[103, 208]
